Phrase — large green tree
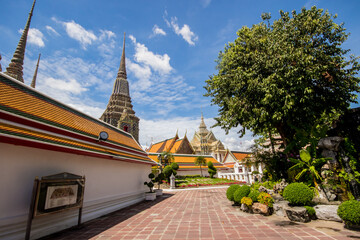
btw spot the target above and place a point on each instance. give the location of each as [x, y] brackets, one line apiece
[285, 76]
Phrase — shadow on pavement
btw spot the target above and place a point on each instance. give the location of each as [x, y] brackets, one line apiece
[96, 226]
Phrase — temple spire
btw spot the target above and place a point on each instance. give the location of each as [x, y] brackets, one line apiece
[121, 85]
[122, 68]
[15, 68]
[33, 82]
[202, 123]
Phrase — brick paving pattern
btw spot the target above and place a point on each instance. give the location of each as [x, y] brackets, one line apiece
[196, 214]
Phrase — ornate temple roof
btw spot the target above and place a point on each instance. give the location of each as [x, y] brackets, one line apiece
[186, 161]
[30, 118]
[232, 157]
[15, 68]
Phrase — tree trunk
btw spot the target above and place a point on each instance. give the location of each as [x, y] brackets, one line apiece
[200, 171]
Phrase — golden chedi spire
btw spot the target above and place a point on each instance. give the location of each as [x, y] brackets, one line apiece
[15, 68]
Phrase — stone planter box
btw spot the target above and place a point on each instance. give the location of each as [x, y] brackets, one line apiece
[150, 196]
[158, 192]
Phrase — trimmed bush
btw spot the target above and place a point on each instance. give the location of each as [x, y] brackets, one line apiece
[230, 192]
[247, 201]
[243, 191]
[310, 210]
[266, 199]
[254, 195]
[174, 166]
[211, 169]
[349, 212]
[298, 194]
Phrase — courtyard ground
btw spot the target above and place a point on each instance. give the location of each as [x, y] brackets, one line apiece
[203, 213]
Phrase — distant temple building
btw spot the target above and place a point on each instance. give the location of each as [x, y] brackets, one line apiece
[172, 145]
[119, 111]
[204, 142]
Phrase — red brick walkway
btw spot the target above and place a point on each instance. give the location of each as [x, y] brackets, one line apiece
[196, 214]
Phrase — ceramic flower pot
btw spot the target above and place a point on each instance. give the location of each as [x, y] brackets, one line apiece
[150, 196]
[158, 192]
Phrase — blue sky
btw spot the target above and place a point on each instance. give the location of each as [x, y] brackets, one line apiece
[171, 48]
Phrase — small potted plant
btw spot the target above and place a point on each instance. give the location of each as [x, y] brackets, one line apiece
[151, 195]
[159, 180]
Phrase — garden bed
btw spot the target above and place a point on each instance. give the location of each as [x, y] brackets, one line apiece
[198, 181]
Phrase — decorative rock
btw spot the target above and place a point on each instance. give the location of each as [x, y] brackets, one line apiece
[245, 208]
[327, 212]
[264, 189]
[279, 208]
[297, 214]
[279, 187]
[277, 197]
[261, 209]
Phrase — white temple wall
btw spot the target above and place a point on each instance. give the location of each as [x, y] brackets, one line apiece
[110, 185]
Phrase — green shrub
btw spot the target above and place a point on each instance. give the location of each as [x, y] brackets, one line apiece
[230, 191]
[254, 195]
[243, 191]
[247, 201]
[310, 211]
[211, 169]
[266, 199]
[349, 212]
[174, 166]
[298, 194]
[167, 171]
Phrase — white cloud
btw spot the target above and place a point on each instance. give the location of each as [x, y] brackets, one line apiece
[90, 110]
[158, 31]
[35, 36]
[106, 34]
[69, 85]
[159, 63]
[205, 3]
[141, 72]
[185, 31]
[107, 43]
[52, 31]
[72, 81]
[77, 32]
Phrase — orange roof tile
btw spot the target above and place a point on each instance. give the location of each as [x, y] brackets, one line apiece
[240, 155]
[187, 161]
[155, 147]
[176, 146]
[23, 105]
[229, 165]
